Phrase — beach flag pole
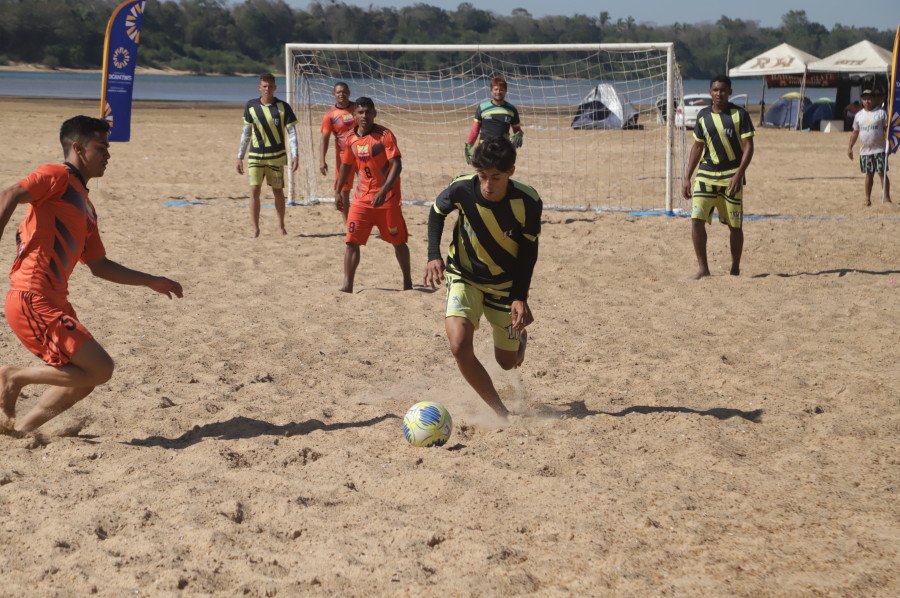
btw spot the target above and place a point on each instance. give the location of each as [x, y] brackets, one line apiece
[892, 138]
[123, 34]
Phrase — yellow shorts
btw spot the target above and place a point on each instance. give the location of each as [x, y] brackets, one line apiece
[465, 300]
[270, 172]
[706, 198]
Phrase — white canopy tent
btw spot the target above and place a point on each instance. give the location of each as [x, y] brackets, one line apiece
[780, 60]
[861, 58]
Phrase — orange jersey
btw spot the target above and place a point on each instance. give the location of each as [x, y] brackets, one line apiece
[340, 122]
[371, 156]
[59, 229]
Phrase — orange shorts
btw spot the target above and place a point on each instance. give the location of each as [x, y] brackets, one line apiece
[348, 184]
[388, 219]
[50, 332]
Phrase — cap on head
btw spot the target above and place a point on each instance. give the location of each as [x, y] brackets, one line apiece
[866, 92]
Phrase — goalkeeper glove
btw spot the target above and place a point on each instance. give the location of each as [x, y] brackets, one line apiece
[468, 153]
[517, 139]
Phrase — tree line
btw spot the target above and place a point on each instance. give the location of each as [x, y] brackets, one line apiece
[215, 36]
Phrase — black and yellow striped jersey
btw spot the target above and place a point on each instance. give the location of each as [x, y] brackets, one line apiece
[722, 133]
[268, 124]
[494, 243]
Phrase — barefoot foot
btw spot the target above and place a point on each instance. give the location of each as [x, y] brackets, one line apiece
[9, 391]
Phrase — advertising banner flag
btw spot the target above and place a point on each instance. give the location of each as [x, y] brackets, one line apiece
[123, 34]
[893, 128]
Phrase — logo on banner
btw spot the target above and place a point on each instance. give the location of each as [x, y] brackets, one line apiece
[121, 57]
[108, 114]
[133, 22]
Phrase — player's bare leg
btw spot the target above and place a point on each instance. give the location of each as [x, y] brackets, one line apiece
[402, 254]
[351, 262]
[870, 179]
[90, 365]
[698, 236]
[279, 208]
[460, 334]
[254, 209]
[736, 240]
[886, 185]
[345, 194]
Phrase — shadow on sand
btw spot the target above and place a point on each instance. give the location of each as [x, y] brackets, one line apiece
[839, 271]
[245, 427]
[578, 410]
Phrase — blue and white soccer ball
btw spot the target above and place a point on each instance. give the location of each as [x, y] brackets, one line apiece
[427, 424]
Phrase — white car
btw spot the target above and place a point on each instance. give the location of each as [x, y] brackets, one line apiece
[687, 111]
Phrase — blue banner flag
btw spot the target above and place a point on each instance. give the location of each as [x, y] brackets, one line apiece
[893, 128]
[123, 34]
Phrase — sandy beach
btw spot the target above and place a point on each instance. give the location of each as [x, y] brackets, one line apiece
[735, 436]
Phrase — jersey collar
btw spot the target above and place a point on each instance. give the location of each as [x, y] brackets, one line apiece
[76, 172]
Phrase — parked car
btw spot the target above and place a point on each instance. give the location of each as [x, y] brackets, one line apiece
[687, 111]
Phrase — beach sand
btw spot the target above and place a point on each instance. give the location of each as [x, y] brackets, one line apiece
[735, 436]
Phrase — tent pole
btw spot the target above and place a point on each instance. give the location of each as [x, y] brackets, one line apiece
[800, 101]
[762, 102]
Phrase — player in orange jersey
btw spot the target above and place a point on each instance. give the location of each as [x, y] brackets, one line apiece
[59, 230]
[372, 150]
[339, 120]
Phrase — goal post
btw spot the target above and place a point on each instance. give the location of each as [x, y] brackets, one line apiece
[596, 135]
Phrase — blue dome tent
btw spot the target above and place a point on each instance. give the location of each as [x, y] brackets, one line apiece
[785, 112]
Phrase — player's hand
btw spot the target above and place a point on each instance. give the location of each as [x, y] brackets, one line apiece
[165, 286]
[295, 163]
[323, 168]
[521, 315]
[434, 273]
[850, 153]
[686, 189]
[517, 138]
[468, 152]
[240, 166]
[734, 186]
[339, 201]
[378, 200]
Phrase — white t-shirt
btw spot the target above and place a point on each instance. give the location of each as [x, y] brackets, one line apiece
[871, 126]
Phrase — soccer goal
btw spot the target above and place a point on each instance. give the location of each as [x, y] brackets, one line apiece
[594, 116]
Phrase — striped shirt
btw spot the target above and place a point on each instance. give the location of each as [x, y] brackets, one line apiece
[722, 133]
[268, 125]
[496, 120]
[494, 243]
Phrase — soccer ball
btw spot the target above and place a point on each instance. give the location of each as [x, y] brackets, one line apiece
[427, 424]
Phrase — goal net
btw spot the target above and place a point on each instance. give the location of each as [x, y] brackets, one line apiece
[595, 132]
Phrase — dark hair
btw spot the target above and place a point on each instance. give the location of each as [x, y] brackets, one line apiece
[267, 77]
[341, 84]
[496, 153]
[81, 129]
[498, 80]
[364, 102]
[720, 78]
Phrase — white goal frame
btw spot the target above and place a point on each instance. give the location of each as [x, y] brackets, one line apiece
[310, 148]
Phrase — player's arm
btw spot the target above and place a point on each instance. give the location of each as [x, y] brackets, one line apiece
[9, 199]
[323, 152]
[107, 269]
[693, 161]
[393, 175]
[737, 180]
[443, 205]
[470, 140]
[343, 175]
[853, 137]
[295, 147]
[524, 269]
[242, 150]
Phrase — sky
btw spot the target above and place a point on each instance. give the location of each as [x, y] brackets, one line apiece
[882, 14]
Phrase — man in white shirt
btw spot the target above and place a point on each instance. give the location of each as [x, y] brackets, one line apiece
[869, 126]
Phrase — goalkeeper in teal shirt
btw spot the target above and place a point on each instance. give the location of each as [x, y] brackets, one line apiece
[494, 118]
